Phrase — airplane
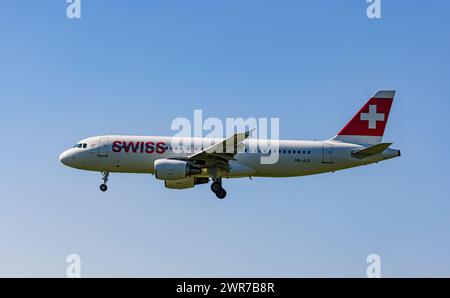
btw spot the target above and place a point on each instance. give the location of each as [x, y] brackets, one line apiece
[358, 143]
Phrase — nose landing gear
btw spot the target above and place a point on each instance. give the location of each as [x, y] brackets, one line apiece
[216, 188]
[104, 187]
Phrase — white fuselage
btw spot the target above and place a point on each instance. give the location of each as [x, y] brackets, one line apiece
[137, 154]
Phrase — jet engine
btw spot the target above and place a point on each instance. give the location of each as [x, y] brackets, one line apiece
[172, 169]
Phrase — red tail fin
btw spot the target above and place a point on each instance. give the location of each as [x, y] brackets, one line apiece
[367, 126]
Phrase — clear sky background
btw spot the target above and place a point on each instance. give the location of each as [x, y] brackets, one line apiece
[131, 67]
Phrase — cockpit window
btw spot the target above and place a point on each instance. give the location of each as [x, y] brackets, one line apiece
[84, 145]
[80, 145]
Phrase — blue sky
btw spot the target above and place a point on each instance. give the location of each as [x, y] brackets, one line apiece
[132, 67]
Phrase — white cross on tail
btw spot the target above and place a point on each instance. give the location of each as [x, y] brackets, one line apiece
[372, 117]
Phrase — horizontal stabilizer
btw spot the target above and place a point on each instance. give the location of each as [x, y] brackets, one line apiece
[369, 151]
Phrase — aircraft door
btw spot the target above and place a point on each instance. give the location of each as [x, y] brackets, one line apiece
[103, 146]
[327, 153]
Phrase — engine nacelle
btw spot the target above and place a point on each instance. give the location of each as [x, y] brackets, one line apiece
[172, 169]
[188, 182]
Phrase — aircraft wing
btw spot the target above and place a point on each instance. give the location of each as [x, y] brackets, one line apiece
[221, 153]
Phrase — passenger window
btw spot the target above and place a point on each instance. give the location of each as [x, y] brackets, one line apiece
[309, 152]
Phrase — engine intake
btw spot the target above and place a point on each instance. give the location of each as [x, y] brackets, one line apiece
[172, 169]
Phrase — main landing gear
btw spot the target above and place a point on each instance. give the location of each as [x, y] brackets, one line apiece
[105, 177]
[216, 188]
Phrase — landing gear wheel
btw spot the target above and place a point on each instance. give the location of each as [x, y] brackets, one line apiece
[215, 187]
[103, 187]
[105, 176]
[221, 193]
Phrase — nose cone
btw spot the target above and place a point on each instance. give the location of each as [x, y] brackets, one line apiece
[66, 158]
